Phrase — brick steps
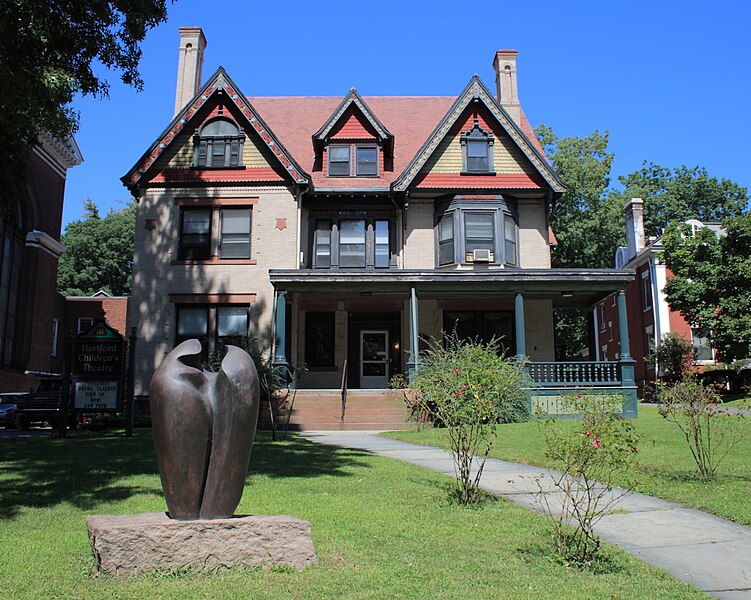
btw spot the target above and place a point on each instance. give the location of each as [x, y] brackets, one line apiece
[365, 409]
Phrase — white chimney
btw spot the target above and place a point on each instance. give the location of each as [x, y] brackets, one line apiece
[189, 66]
[633, 211]
[504, 64]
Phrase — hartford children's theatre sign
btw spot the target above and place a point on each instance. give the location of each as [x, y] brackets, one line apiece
[97, 369]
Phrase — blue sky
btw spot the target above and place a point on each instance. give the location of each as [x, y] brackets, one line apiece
[670, 81]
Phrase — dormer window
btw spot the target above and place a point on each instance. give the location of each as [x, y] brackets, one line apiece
[219, 144]
[477, 150]
[353, 160]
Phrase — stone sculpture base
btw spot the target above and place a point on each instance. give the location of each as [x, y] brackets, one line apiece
[132, 545]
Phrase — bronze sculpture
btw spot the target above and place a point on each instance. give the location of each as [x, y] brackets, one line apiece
[204, 424]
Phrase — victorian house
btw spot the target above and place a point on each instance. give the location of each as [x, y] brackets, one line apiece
[342, 232]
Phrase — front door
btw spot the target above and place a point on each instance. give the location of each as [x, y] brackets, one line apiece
[374, 359]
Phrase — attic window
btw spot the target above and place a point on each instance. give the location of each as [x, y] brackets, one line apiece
[219, 144]
[477, 150]
[354, 160]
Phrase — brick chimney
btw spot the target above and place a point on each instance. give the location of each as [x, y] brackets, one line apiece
[189, 66]
[633, 211]
[504, 64]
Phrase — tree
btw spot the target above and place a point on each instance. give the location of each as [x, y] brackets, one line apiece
[46, 59]
[587, 221]
[681, 194]
[98, 252]
[711, 286]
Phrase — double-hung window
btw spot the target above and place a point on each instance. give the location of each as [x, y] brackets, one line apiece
[352, 160]
[215, 232]
[235, 234]
[212, 325]
[352, 243]
[195, 234]
[477, 150]
[472, 232]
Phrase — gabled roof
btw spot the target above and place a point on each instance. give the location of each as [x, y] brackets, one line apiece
[476, 90]
[219, 82]
[353, 99]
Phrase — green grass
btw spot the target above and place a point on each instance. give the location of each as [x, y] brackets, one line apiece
[382, 529]
[667, 468]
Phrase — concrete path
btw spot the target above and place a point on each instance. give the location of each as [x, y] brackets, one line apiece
[707, 551]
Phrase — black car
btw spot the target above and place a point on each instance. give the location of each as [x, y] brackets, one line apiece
[39, 407]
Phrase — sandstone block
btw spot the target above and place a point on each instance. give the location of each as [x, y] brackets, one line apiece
[131, 545]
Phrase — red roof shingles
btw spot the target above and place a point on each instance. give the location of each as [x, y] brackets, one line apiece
[294, 120]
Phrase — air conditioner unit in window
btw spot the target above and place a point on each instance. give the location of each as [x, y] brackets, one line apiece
[481, 255]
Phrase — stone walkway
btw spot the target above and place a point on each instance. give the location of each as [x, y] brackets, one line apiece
[712, 553]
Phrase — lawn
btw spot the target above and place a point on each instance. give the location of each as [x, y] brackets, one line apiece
[667, 468]
[382, 529]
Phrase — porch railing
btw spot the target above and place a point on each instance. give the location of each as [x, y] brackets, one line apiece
[574, 374]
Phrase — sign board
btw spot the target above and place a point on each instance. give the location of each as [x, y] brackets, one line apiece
[97, 369]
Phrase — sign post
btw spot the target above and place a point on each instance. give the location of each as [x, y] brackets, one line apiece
[97, 369]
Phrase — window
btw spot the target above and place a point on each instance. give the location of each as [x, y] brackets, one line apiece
[55, 336]
[12, 239]
[478, 234]
[481, 325]
[446, 240]
[320, 339]
[341, 164]
[477, 150]
[366, 164]
[601, 314]
[195, 234]
[479, 231]
[219, 144]
[84, 324]
[700, 342]
[235, 233]
[646, 290]
[213, 326]
[198, 225]
[339, 161]
[351, 243]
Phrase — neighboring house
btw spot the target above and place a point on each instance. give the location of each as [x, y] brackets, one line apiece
[649, 315]
[344, 230]
[31, 310]
[82, 311]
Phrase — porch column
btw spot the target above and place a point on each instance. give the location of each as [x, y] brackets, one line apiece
[414, 343]
[280, 359]
[521, 346]
[628, 385]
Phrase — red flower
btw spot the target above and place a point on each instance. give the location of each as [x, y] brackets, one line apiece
[464, 386]
[458, 393]
[596, 443]
[634, 448]
[456, 370]
[578, 395]
[588, 433]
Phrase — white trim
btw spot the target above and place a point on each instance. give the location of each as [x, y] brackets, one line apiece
[45, 242]
[662, 314]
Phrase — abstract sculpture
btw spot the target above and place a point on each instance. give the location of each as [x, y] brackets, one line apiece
[204, 424]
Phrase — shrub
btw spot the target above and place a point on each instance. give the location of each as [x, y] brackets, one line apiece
[711, 431]
[673, 357]
[467, 387]
[589, 456]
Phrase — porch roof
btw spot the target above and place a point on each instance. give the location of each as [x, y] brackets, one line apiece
[566, 287]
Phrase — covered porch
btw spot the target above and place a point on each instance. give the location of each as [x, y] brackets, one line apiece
[358, 329]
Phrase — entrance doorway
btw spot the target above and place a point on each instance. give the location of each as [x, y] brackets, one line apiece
[374, 359]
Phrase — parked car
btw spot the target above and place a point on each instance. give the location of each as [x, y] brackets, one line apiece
[7, 415]
[41, 406]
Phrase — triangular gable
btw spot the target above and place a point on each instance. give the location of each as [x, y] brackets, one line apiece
[355, 101]
[476, 90]
[218, 82]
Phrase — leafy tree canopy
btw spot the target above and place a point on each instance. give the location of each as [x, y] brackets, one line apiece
[46, 58]
[711, 286]
[674, 196]
[98, 252]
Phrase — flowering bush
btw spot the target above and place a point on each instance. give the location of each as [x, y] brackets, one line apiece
[710, 430]
[467, 387]
[588, 455]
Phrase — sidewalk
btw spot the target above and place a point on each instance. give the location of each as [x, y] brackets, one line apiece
[712, 553]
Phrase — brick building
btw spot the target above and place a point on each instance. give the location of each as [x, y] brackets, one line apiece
[31, 310]
[340, 231]
[649, 315]
[82, 311]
